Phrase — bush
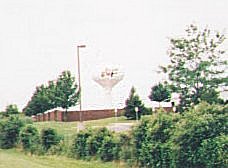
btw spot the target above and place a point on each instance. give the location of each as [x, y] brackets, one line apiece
[29, 137]
[151, 139]
[79, 148]
[127, 149]
[110, 149]
[96, 140]
[196, 127]
[9, 132]
[99, 143]
[59, 149]
[49, 137]
[214, 153]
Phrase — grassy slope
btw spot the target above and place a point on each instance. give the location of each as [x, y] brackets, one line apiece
[70, 128]
[15, 159]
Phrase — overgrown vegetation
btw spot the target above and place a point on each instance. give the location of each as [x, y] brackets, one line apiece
[196, 138]
[190, 139]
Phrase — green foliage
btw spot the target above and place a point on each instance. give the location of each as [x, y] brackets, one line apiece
[79, 148]
[110, 149]
[67, 94]
[11, 109]
[196, 139]
[127, 149]
[40, 101]
[213, 152]
[96, 140]
[49, 137]
[29, 138]
[160, 93]
[99, 143]
[198, 66]
[62, 148]
[132, 102]
[60, 93]
[151, 141]
[197, 127]
[9, 132]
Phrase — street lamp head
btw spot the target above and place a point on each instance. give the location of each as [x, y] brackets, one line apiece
[81, 46]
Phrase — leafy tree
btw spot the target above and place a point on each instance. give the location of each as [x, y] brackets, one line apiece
[12, 109]
[132, 102]
[67, 91]
[197, 65]
[40, 101]
[160, 93]
[61, 93]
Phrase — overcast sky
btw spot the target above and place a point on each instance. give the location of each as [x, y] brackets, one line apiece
[38, 40]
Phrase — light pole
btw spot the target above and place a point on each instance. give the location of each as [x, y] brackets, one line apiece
[79, 81]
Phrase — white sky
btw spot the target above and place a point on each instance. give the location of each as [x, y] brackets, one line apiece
[38, 40]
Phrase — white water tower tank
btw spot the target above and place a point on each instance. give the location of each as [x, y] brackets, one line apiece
[108, 78]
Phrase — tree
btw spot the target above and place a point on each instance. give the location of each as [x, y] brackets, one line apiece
[67, 93]
[160, 93]
[60, 93]
[12, 109]
[40, 101]
[197, 66]
[132, 102]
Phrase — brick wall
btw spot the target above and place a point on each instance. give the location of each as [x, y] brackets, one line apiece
[57, 115]
[92, 114]
[166, 109]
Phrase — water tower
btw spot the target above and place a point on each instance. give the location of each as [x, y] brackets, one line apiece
[108, 78]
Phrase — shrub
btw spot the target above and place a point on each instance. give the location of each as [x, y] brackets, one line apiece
[96, 140]
[49, 137]
[59, 149]
[213, 152]
[110, 149]
[9, 132]
[29, 137]
[198, 126]
[79, 148]
[151, 140]
[127, 149]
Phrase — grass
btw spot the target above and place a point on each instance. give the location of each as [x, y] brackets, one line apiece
[68, 129]
[15, 159]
